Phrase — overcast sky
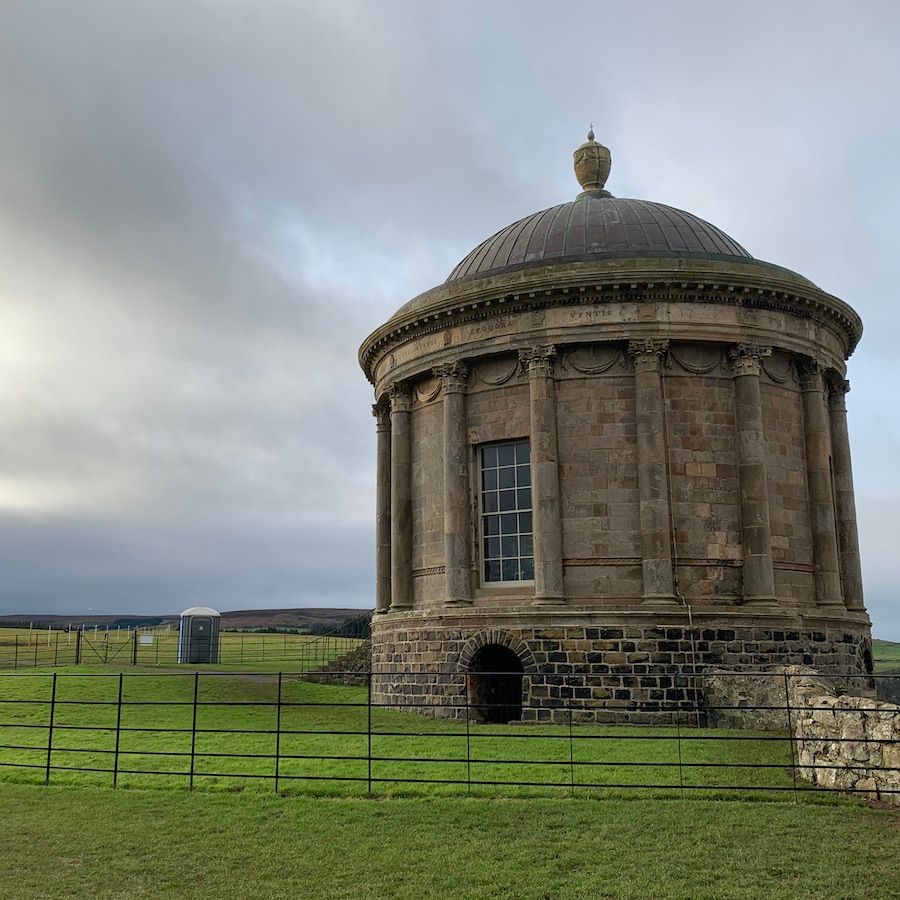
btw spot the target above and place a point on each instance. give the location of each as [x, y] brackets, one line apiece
[206, 206]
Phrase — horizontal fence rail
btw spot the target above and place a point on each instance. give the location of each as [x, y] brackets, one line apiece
[290, 732]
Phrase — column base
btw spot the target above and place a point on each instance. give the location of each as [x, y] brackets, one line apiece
[760, 600]
[380, 612]
[660, 600]
[549, 601]
[459, 601]
[399, 607]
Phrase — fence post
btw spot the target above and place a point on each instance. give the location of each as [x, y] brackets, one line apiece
[787, 701]
[369, 732]
[278, 736]
[35, 652]
[468, 740]
[56, 650]
[194, 730]
[677, 714]
[16, 657]
[571, 754]
[134, 647]
[78, 647]
[50, 729]
[118, 733]
[242, 648]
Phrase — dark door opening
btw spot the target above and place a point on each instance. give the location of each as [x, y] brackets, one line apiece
[495, 685]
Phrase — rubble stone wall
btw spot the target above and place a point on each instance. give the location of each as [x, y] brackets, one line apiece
[845, 741]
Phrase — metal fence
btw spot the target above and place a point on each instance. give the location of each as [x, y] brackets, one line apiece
[228, 730]
[22, 649]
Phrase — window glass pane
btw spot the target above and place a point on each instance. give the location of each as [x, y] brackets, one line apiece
[506, 519]
[506, 454]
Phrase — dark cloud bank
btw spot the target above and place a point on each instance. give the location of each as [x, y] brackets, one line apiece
[205, 207]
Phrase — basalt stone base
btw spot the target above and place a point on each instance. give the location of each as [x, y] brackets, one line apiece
[589, 667]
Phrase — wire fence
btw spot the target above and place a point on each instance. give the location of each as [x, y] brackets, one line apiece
[290, 734]
[27, 648]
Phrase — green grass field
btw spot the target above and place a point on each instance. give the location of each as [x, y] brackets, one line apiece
[233, 837]
[73, 842]
[886, 656]
[324, 734]
[24, 648]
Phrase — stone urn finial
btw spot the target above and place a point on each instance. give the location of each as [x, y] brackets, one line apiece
[592, 164]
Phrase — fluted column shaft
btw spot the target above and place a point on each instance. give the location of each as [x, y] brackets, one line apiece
[817, 436]
[545, 500]
[457, 555]
[401, 498]
[382, 508]
[848, 538]
[756, 530]
[653, 477]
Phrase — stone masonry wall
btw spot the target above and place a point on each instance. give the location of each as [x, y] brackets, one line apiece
[844, 741]
[633, 673]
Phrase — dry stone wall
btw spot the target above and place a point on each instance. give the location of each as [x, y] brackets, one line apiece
[845, 741]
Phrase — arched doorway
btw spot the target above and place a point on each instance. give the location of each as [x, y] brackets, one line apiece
[494, 684]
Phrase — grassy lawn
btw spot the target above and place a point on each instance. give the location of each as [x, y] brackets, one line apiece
[71, 842]
[886, 656]
[324, 735]
[24, 648]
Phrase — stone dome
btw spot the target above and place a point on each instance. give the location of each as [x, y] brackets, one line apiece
[597, 226]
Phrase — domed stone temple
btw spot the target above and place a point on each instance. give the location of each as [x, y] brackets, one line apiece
[611, 446]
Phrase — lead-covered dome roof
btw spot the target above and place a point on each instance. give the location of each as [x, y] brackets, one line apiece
[596, 226]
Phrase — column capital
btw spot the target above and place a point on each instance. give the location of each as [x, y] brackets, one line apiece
[648, 353]
[811, 373]
[382, 414]
[401, 397]
[746, 358]
[837, 394]
[454, 376]
[538, 361]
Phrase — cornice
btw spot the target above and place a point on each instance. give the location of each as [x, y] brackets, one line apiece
[750, 285]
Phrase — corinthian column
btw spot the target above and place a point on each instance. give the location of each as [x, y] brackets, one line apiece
[848, 539]
[401, 498]
[653, 477]
[382, 508]
[456, 485]
[548, 570]
[756, 531]
[818, 479]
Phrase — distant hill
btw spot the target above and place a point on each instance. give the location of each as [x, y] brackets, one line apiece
[886, 656]
[301, 617]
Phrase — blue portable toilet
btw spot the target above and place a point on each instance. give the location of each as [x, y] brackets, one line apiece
[198, 635]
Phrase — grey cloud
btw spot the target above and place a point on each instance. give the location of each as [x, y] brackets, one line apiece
[204, 207]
